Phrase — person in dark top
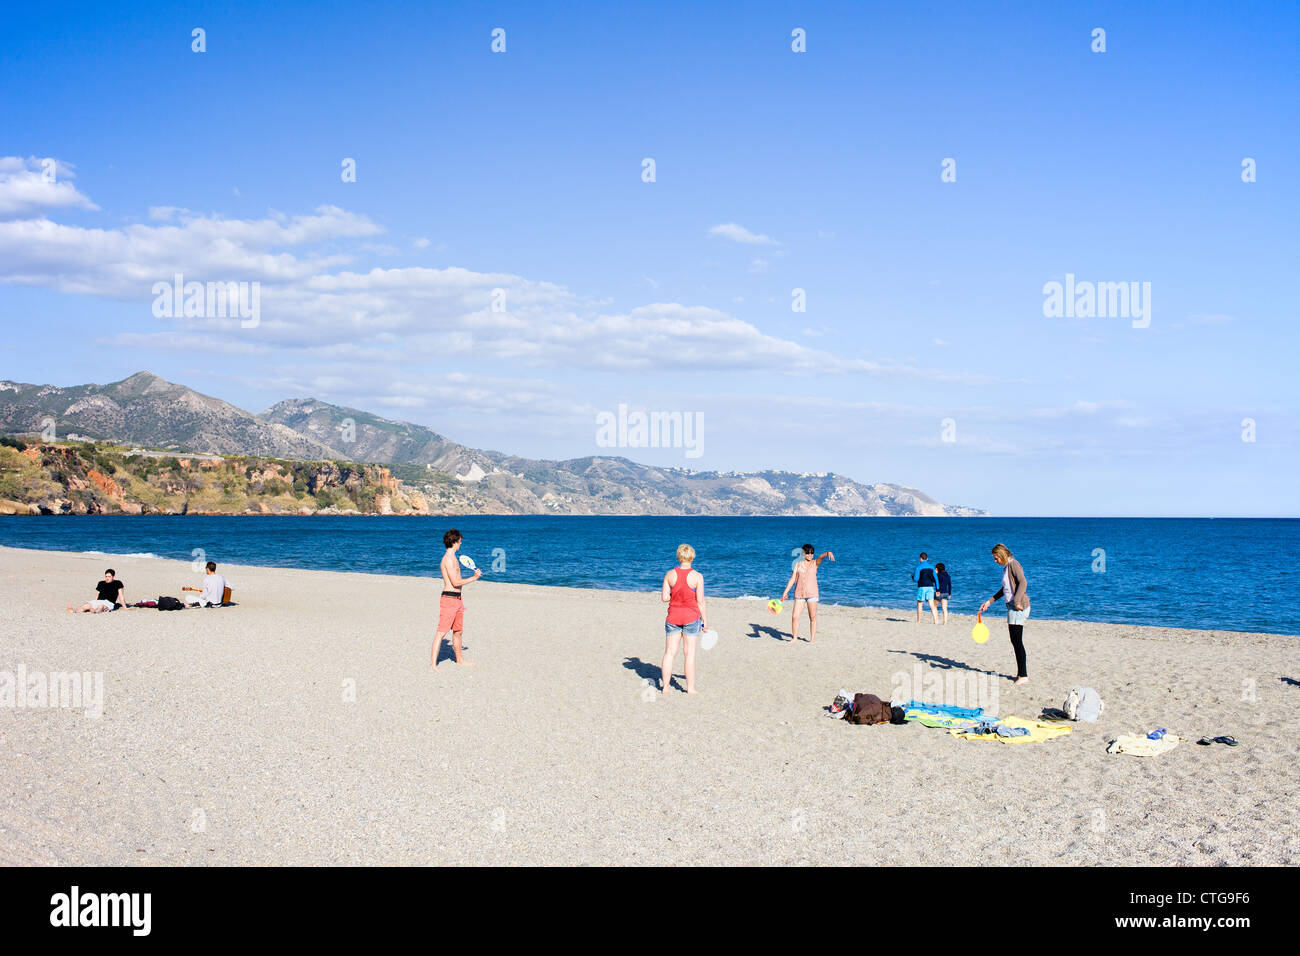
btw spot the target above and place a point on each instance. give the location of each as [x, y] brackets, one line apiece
[109, 596]
[925, 582]
[1015, 591]
[944, 589]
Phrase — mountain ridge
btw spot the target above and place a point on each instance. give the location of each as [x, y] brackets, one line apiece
[148, 411]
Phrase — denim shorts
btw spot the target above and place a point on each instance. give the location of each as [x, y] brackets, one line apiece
[1017, 617]
[693, 629]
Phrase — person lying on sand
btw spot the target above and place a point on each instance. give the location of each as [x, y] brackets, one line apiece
[111, 596]
[451, 607]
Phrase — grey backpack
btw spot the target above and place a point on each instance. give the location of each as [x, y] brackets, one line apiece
[1084, 703]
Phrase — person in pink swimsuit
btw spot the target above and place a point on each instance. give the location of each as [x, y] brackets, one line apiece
[803, 578]
[683, 592]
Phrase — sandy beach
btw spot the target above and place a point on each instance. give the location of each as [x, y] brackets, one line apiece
[305, 727]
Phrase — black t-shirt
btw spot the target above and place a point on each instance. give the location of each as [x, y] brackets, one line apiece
[109, 590]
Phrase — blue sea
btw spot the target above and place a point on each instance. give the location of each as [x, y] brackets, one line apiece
[1212, 573]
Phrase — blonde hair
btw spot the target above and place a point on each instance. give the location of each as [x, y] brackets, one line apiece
[1001, 551]
[685, 553]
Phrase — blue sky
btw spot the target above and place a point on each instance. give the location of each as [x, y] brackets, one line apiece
[775, 170]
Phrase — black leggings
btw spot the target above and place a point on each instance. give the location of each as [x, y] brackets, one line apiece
[1018, 642]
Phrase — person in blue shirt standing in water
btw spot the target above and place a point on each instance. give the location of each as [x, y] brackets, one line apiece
[925, 584]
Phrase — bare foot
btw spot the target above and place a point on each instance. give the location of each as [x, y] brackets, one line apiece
[1019, 680]
[690, 691]
[69, 608]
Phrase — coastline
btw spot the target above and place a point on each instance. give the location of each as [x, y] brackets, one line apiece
[304, 726]
[902, 608]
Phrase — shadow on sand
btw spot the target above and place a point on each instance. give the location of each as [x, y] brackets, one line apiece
[947, 663]
[446, 653]
[763, 630]
[650, 672]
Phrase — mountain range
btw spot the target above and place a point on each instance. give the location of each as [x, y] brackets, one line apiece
[153, 414]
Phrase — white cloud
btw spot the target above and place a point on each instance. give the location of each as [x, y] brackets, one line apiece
[313, 305]
[124, 263]
[25, 190]
[738, 233]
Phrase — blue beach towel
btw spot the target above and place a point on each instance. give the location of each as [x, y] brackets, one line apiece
[970, 713]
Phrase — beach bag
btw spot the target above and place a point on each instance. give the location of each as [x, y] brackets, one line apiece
[170, 604]
[1084, 703]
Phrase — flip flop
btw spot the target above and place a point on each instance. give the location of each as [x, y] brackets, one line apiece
[1230, 741]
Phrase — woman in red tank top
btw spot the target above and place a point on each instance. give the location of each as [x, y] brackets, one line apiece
[683, 592]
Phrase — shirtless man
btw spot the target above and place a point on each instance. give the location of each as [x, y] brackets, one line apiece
[451, 608]
[803, 578]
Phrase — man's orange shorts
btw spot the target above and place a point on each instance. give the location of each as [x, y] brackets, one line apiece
[451, 614]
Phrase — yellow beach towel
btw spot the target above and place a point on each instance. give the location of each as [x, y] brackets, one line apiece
[1143, 746]
[1038, 730]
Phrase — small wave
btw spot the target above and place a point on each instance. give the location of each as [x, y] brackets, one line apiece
[137, 554]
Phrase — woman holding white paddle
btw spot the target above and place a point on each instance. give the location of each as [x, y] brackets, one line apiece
[1015, 591]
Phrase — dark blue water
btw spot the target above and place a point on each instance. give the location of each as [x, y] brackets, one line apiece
[1230, 574]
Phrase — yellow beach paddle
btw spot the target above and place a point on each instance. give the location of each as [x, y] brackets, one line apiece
[980, 632]
[774, 606]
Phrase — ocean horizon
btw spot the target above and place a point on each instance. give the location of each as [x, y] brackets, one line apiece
[1199, 573]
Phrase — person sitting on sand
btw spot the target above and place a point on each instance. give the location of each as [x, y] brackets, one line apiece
[1015, 591]
[111, 596]
[803, 578]
[451, 607]
[683, 592]
[214, 587]
[943, 590]
[925, 584]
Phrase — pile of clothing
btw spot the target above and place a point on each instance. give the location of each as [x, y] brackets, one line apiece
[865, 709]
